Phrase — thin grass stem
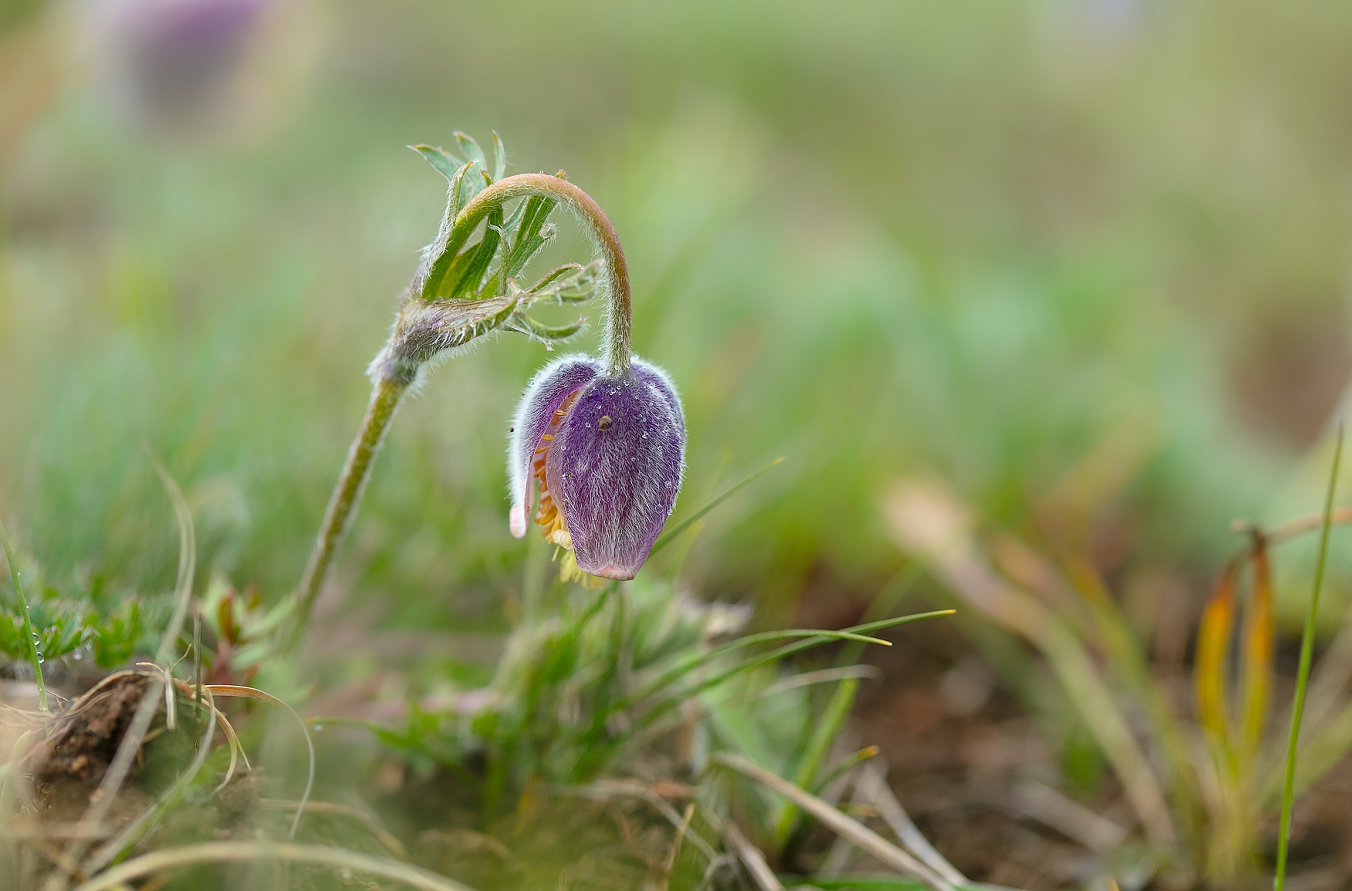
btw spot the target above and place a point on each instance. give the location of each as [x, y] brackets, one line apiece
[30, 635]
[250, 851]
[1303, 673]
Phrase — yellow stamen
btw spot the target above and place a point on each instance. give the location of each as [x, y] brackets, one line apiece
[550, 517]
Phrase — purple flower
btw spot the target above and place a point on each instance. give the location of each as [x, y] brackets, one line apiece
[608, 452]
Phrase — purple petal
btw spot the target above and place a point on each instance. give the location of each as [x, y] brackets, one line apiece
[545, 393]
[651, 374]
[615, 467]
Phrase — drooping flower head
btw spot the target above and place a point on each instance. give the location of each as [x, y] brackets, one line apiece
[608, 450]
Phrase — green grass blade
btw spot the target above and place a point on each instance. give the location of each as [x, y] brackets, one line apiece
[858, 634]
[1303, 673]
[818, 749]
[32, 636]
[685, 524]
[774, 656]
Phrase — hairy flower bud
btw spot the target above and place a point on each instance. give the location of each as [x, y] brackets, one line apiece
[608, 451]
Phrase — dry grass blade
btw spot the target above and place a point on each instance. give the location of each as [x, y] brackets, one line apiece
[1071, 819]
[602, 790]
[253, 693]
[101, 802]
[382, 835]
[1297, 528]
[143, 824]
[860, 835]
[1213, 647]
[244, 852]
[754, 861]
[187, 565]
[236, 749]
[681, 833]
[896, 818]
[866, 783]
[1256, 655]
[835, 777]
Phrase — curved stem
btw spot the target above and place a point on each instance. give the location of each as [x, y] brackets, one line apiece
[614, 284]
[342, 505]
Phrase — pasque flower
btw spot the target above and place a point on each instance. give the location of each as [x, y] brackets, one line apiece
[607, 450]
[604, 437]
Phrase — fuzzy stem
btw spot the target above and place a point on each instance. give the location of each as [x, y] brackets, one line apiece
[342, 505]
[615, 282]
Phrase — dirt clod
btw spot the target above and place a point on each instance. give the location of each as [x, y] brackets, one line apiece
[68, 767]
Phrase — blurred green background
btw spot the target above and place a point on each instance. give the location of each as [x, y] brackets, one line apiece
[1084, 261]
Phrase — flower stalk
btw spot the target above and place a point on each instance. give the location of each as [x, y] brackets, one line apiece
[460, 295]
[385, 400]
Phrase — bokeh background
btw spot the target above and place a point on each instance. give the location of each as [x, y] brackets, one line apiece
[1084, 262]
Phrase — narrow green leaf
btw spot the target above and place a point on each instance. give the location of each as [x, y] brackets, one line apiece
[499, 156]
[765, 659]
[818, 750]
[439, 280]
[528, 240]
[473, 276]
[812, 639]
[445, 267]
[555, 275]
[547, 334]
[29, 634]
[445, 163]
[470, 149]
[1303, 672]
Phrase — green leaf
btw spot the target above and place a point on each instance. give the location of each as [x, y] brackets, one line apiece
[473, 276]
[445, 163]
[499, 156]
[555, 275]
[470, 149]
[447, 267]
[528, 240]
[546, 334]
